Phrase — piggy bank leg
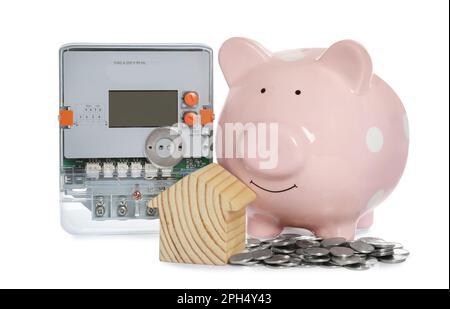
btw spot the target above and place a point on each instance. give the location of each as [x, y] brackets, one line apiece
[263, 226]
[366, 221]
[346, 230]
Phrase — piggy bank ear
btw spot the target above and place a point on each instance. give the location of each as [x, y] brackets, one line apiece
[238, 56]
[351, 60]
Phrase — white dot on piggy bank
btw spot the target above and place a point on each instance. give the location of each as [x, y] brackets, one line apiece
[374, 139]
[406, 126]
[375, 199]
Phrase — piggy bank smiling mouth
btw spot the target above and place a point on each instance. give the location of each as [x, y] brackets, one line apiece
[273, 191]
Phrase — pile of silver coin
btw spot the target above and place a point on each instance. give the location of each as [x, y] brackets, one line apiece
[308, 250]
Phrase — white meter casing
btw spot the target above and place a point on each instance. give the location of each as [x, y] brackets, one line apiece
[134, 119]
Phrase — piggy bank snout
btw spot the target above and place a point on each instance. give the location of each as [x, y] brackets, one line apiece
[277, 155]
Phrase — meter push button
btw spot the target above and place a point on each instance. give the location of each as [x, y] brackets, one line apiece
[190, 118]
[190, 98]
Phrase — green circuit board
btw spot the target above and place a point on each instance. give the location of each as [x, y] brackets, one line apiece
[185, 167]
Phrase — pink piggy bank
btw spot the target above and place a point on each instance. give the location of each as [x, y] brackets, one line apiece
[341, 136]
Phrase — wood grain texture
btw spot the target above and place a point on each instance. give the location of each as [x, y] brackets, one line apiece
[202, 217]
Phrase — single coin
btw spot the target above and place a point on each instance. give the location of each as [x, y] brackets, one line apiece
[333, 242]
[289, 235]
[264, 247]
[398, 245]
[271, 240]
[347, 261]
[393, 259]
[308, 237]
[308, 265]
[384, 250]
[301, 232]
[316, 251]
[293, 258]
[380, 253]
[333, 263]
[282, 242]
[277, 259]
[249, 263]
[363, 255]
[300, 251]
[371, 261]
[341, 252]
[357, 266]
[284, 250]
[292, 262]
[361, 246]
[319, 259]
[253, 242]
[369, 240]
[260, 255]
[330, 264]
[401, 251]
[383, 245]
[240, 258]
[304, 243]
[305, 232]
[295, 255]
[276, 266]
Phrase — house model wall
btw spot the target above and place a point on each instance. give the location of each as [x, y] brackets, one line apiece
[202, 217]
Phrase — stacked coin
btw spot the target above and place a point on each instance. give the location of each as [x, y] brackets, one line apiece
[307, 250]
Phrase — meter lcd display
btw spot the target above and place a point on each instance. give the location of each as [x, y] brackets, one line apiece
[142, 108]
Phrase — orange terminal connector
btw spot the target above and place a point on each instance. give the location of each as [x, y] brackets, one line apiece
[65, 118]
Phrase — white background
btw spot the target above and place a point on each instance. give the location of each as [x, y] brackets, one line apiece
[408, 42]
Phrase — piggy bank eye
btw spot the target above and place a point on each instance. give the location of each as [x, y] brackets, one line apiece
[298, 92]
[263, 90]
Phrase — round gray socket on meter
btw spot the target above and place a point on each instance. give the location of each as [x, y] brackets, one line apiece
[163, 147]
